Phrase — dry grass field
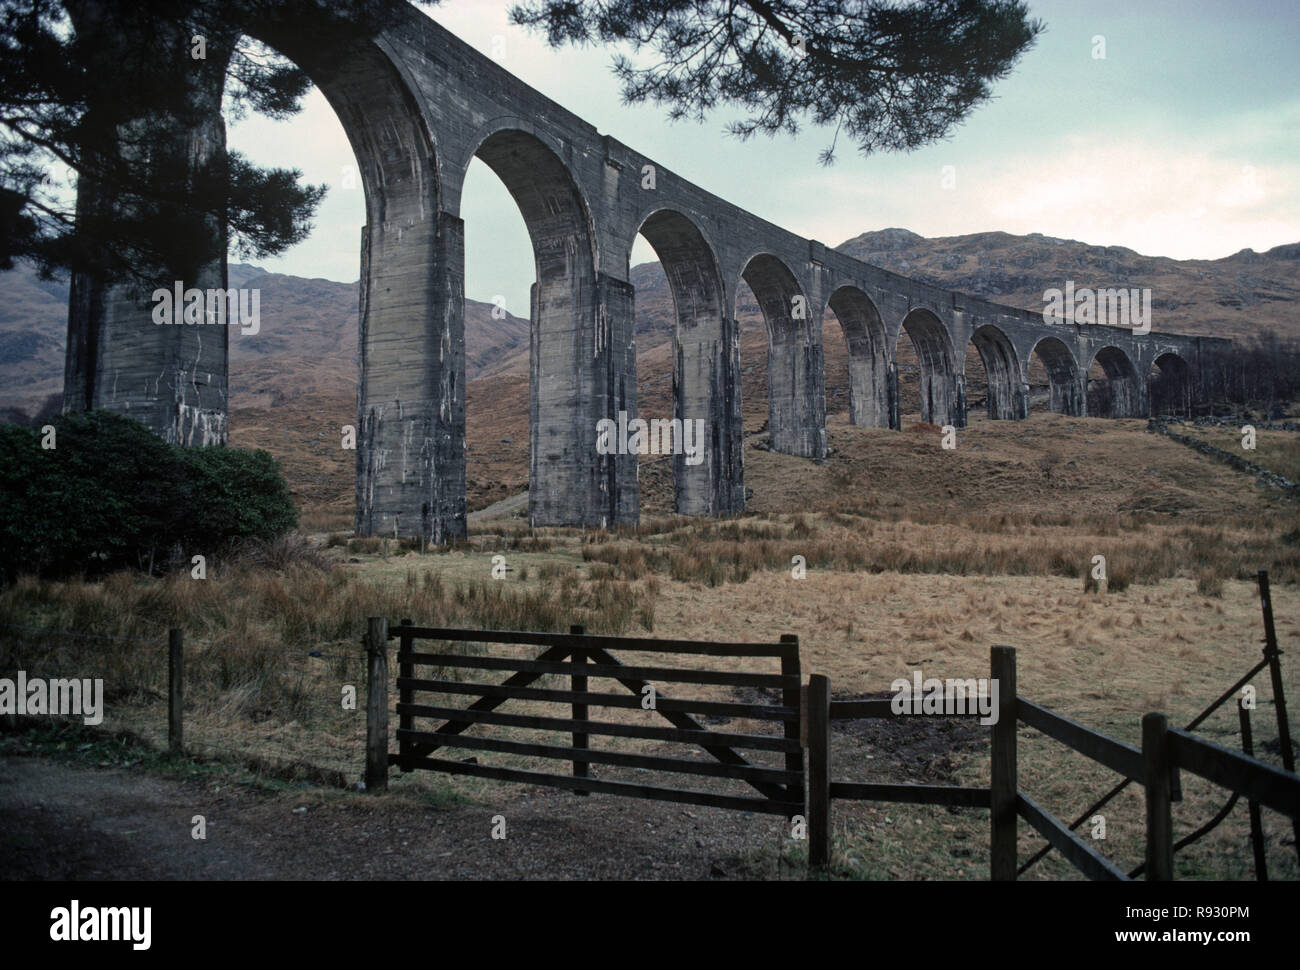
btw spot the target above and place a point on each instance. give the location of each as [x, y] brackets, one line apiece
[916, 557]
[1278, 451]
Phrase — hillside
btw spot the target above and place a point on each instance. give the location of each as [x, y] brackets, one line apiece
[1237, 296]
[308, 339]
[307, 343]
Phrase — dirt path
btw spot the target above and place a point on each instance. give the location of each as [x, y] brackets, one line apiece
[501, 509]
[60, 821]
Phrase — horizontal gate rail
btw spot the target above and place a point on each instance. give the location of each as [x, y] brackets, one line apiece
[607, 728]
[648, 762]
[1115, 755]
[1260, 782]
[715, 708]
[587, 641]
[769, 806]
[1084, 857]
[679, 675]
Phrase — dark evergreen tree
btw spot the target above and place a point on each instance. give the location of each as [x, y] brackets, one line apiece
[890, 74]
[91, 95]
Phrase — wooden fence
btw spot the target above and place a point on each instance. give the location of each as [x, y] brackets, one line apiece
[580, 657]
[1155, 766]
[805, 714]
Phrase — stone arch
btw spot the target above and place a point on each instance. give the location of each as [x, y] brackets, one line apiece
[1008, 395]
[872, 393]
[1120, 393]
[706, 389]
[1066, 390]
[569, 483]
[411, 419]
[1169, 386]
[942, 397]
[795, 370]
[554, 212]
[582, 349]
[776, 289]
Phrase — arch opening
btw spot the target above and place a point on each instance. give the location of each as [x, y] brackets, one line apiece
[410, 410]
[1169, 387]
[1115, 389]
[500, 268]
[698, 405]
[1060, 373]
[776, 290]
[569, 483]
[941, 398]
[1006, 393]
[795, 370]
[555, 215]
[870, 401]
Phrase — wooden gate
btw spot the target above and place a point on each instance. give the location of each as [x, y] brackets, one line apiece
[429, 720]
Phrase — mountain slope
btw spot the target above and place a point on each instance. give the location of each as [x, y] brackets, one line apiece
[307, 342]
[1237, 296]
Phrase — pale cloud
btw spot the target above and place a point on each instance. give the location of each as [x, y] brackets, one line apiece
[1149, 195]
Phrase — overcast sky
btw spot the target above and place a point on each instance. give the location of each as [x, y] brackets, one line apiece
[1184, 142]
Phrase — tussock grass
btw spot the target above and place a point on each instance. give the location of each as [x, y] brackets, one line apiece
[269, 651]
[1136, 550]
[280, 553]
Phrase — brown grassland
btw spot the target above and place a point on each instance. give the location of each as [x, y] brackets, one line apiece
[915, 556]
[1278, 451]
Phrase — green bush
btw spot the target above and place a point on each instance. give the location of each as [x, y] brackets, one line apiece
[113, 494]
[234, 495]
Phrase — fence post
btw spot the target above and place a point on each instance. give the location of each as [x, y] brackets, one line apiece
[376, 704]
[176, 691]
[581, 769]
[1274, 656]
[405, 696]
[792, 697]
[817, 712]
[1003, 786]
[1256, 823]
[1160, 823]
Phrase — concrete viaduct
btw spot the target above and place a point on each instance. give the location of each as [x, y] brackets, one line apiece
[418, 104]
